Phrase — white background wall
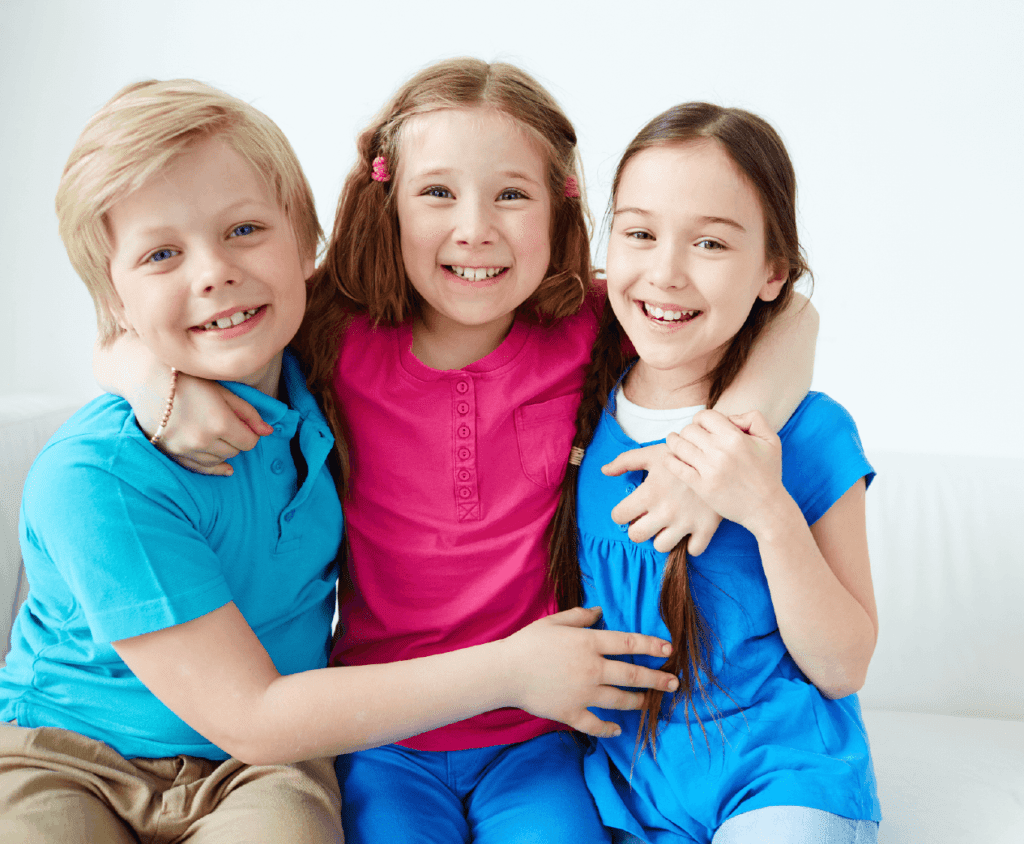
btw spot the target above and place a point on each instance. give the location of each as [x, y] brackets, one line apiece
[905, 121]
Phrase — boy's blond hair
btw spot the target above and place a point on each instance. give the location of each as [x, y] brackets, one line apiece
[137, 134]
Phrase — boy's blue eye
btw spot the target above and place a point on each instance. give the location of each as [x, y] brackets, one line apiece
[161, 255]
[438, 191]
[511, 193]
[242, 230]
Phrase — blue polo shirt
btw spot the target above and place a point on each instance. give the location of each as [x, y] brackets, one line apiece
[118, 540]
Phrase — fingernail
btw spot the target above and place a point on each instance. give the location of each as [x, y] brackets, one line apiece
[673, 684]
[666, 649]
[615, 733]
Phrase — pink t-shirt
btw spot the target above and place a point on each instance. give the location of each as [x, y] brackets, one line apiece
[455, 477]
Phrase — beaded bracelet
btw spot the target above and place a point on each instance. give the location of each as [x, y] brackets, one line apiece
[167, 408]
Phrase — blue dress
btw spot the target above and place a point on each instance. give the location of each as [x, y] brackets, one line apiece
[778, 741]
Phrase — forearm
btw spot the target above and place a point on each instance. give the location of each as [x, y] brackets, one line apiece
[777, 375]
[341, 710]
[127, 368]
[828, 632]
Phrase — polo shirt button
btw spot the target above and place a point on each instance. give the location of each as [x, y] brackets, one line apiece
[630, 488]
[462, 407]
[289, 515]
[462, 386]
[624, 527]
[277, 466]
[465, 492]
[463, 475]
[465, 453]
[464, 431]
[277, 429]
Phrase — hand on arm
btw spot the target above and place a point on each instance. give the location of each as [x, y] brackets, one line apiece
[777, 375]
[208, 424]
[819, 576]
[217, 677]
[663, 506]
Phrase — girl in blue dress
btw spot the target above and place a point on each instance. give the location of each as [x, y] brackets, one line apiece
[774, 624]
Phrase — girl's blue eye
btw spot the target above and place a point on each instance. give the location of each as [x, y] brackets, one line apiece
[161, 255]
[438, 191]
[511, 193]
[242, 230]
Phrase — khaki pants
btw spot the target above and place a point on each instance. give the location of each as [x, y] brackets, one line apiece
[59, 786]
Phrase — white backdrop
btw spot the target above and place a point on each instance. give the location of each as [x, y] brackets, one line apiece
[905, 121]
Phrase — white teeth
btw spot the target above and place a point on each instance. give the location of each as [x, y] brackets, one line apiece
[667, 316]
[476, 273]
[236, 318]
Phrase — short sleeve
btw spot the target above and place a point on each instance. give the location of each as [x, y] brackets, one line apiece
[124, 534]
[822, 455]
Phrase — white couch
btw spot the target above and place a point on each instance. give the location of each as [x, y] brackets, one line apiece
[944, 701]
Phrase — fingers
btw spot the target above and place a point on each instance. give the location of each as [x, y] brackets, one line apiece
[587, 722]
[637, 459]
[249, 415]
[617, 643]
[223, 469]
[630, 676]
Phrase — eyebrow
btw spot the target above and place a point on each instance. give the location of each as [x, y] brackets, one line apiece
[704, 221]
[446, 171]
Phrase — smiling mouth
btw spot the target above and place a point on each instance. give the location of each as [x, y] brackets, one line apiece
[236, 318]
[665, 315]
[475, 273]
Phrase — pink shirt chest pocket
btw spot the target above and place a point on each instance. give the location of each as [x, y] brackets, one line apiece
[545, 432]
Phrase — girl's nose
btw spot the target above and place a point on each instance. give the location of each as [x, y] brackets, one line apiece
[474, 223]
[669, 270]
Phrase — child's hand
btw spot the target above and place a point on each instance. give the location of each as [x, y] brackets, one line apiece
[209, 425]
[734, 463]
[663, 506]
[556, 669]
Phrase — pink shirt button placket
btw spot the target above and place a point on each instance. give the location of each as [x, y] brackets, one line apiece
[467, 497]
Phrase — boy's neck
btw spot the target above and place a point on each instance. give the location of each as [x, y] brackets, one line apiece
[270, 379]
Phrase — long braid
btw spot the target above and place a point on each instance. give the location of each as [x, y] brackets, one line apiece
[607, 361]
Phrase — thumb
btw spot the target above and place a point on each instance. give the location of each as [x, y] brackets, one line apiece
[577, 617]
[753, 423]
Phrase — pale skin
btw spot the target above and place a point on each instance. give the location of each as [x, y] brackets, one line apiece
[706, 256]
[207, 239]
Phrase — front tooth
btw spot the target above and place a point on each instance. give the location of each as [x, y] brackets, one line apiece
[659, 313]
[458, 270]
[238, 319]
[223, 323]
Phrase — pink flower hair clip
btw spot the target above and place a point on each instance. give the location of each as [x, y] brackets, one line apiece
[572, 188]
[380, 170]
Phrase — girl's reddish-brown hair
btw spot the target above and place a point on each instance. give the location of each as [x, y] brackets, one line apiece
[363, 272]
[757, 150]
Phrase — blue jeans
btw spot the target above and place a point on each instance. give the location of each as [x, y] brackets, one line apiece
[528, 793]
[789, 824]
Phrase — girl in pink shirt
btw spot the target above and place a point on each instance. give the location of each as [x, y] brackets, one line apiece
[447, 335]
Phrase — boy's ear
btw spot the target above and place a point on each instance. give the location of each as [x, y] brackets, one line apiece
[773, 285]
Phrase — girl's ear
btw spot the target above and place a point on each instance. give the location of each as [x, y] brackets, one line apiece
[773, 285]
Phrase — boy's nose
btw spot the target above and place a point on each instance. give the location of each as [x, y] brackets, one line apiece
[214, 271]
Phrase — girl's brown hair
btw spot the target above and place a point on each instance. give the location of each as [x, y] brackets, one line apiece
[363, 272]
[756, 149]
